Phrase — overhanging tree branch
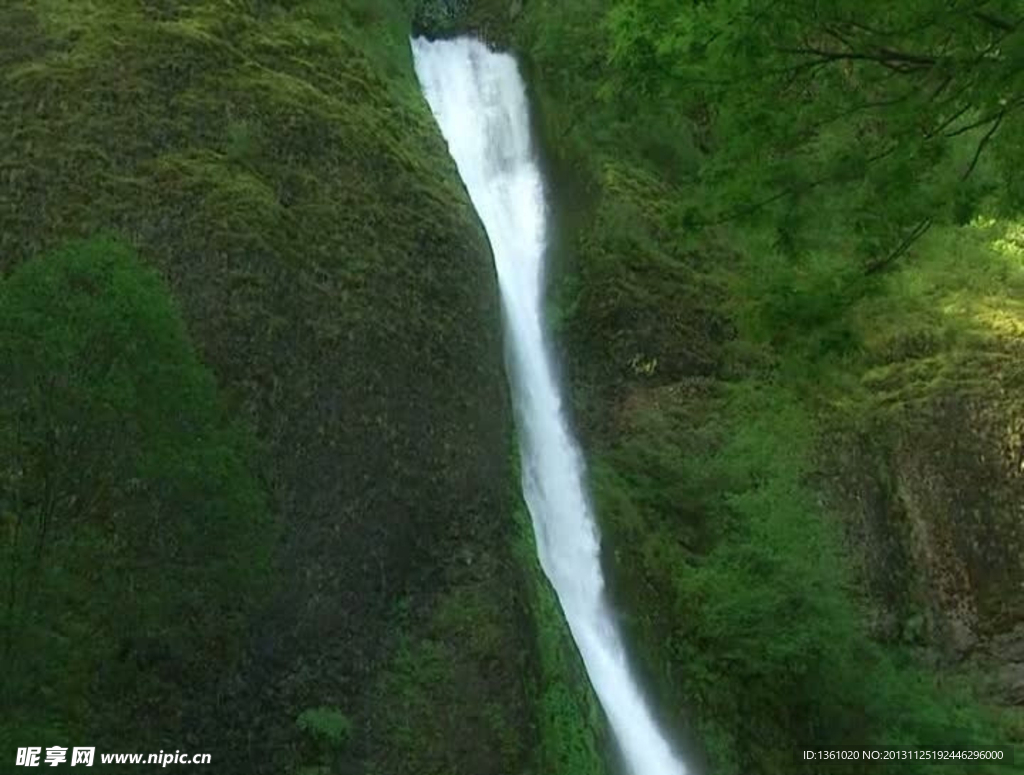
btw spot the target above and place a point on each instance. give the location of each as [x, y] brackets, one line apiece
[894, 60]
[996, 21]
[991, 117]
[810, 185]
[915, 234]
[982, 143]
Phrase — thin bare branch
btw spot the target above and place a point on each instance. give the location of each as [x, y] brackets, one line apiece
[982, 143]
[915, 234]
[995, 21]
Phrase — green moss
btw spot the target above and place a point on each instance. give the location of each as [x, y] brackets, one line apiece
[276, 165]
[572, 728]
[457, 665]
[128, 501]
[490, 20]
[493, 653]
[662, 324]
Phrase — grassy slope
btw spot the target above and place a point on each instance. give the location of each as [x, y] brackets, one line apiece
[275, 163]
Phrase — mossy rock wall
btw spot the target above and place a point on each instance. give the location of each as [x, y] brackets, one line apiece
[922, 452]
[277, 165]
[932, 490]
[494, 21]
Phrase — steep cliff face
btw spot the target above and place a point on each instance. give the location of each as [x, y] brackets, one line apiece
[935, 504]
[276, 164]
[928, 470]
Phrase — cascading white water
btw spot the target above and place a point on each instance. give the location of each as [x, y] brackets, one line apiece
[479, 101]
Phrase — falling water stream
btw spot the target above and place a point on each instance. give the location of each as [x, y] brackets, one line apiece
[479, 101]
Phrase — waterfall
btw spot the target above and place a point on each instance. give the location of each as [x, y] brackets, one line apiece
[479, 101]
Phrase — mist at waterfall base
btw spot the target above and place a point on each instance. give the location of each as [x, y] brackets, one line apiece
[479, 101]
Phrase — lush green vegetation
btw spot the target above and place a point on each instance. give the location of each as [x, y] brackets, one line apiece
[757, 623]
[890, 119]
[253, 486]
[449, 678]
[275, 165]
[573, 737]
[136, 538]
[788, 260]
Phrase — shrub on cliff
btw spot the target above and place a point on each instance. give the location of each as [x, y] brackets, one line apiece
[135, 537]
